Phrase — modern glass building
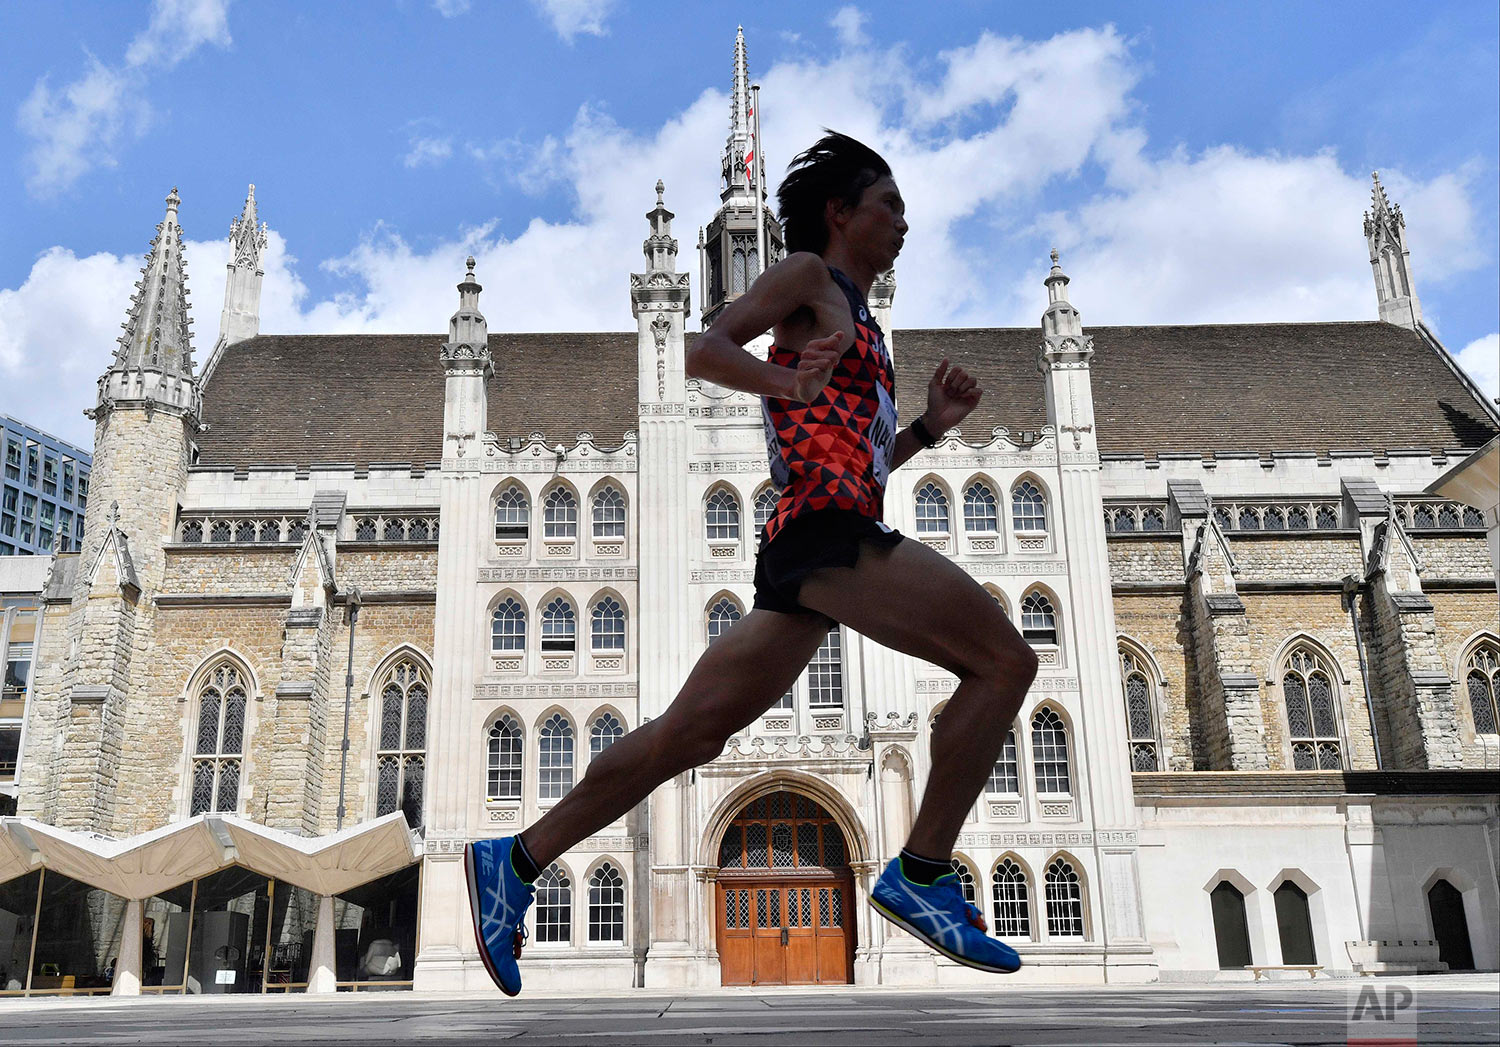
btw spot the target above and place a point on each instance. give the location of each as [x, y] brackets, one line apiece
[45, 489]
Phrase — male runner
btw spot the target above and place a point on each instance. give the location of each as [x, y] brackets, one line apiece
[830, 414]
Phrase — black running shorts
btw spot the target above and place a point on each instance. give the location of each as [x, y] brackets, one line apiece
[822, 538]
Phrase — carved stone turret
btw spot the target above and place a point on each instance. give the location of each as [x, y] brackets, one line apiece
[1385, 232]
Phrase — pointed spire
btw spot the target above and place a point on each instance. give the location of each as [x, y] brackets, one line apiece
[660, 248]
[736, 181]
[468, 333]
[241, 316]
[1060, 319]
[1385, 233]
[246, 241]
[157, 335]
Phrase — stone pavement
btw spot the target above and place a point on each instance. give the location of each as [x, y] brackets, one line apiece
[1452, 1010]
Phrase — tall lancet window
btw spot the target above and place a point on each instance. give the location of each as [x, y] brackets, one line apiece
[1482, 678]
[1140, 713]
[401, 760]
[1311, 713]
[220, 742]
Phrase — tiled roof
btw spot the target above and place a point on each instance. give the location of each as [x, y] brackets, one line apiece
[307, 399]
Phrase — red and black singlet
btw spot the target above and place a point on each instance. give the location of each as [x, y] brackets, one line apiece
[835, 451]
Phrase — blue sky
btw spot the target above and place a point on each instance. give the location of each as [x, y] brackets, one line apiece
[1194, 162]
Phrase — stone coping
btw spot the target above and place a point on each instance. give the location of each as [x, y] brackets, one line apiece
[1260, 784]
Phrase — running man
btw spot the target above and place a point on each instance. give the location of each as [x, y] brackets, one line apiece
[829, 406]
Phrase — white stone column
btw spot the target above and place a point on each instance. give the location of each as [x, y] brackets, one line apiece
[322, 967]
[128, 963]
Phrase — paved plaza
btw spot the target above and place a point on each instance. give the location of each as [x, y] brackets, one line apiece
[1455, 1010]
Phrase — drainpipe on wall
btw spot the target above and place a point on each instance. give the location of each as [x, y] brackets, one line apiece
[1352, 587]
[354, 601]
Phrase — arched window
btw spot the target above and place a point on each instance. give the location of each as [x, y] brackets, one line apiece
[401, 758]
[608, 632]
[825, 673]
[721, 616]
[1153, 519]
[555, 758]
[1012, 898]
[965, 880]
[1140, 714]
[723, 516]
[609, 514]
[606, 730]
[1049, 752]
[606, 905]
[1028, 508]
[508, 627]
[554, 906]
[1005, 776]
[504, 781]
[220, 741]
[1064, 900]
[1038, 619]
[1294, 924]
[981, 509]
[1482, 675]
[765, 505]
[737, 261]
[560, 514]
[932, 510]
[512, 514]
[559, 627]
[1311, 716]
[1231, 930]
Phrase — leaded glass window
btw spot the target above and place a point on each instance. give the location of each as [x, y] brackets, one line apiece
[512, 514]
[1028, 508]
[401, 758]
[606, 905]
[1064, 900]
[1038, 619]
[721, 616]
[1153, 519]
[1012, 899]
[1328, 517]
[1249, 519]
[981, 509]
[604, 732]
[555, 758]
[932, 510]
[508, 627]
[723, 516]
[1275, 518]
[220, 740]
[559, 626]
[1223, 517]
[554, 906]
[965, 880]
[825, 673]
[609, 514]
[765, 505]
[1005, 776]
[560, 514]
[1311, 713]
[608, 633]
[1049, 752]
[504, 770]
[1482, 680]
[1140, 713]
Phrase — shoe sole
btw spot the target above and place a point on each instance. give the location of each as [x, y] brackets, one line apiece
[921, 936]
[484, 952]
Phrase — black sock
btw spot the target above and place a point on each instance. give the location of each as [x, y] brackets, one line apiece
[523, 863]
[922, 871]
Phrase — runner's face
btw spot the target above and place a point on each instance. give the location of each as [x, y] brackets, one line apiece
[878, 223]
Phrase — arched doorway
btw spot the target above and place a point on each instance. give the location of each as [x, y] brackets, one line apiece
[1449, 926]
[785, 900]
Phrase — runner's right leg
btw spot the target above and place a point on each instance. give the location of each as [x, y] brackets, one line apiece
[737, 679]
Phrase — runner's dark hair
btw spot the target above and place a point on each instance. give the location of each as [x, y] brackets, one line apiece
[834, 167]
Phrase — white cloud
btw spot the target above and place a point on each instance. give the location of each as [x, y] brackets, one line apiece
[1481, 360]
[452, 8]
[1159, 236]
[431, 151]
[849, 24]
[82, 124]
[571, 17]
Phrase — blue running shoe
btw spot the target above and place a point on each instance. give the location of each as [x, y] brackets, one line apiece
[499, 901]
[939, 916]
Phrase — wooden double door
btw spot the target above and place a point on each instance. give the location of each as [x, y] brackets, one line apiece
[786, 932]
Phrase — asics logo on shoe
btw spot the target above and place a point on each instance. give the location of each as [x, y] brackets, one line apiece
[942, 926]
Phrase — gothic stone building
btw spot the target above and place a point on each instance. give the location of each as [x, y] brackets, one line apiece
[1263, 732]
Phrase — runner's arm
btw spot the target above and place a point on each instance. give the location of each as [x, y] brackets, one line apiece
[719, 355]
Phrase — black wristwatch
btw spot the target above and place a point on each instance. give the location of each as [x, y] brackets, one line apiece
[924, 434]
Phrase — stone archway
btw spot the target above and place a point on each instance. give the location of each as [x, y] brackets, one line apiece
[784, 895]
